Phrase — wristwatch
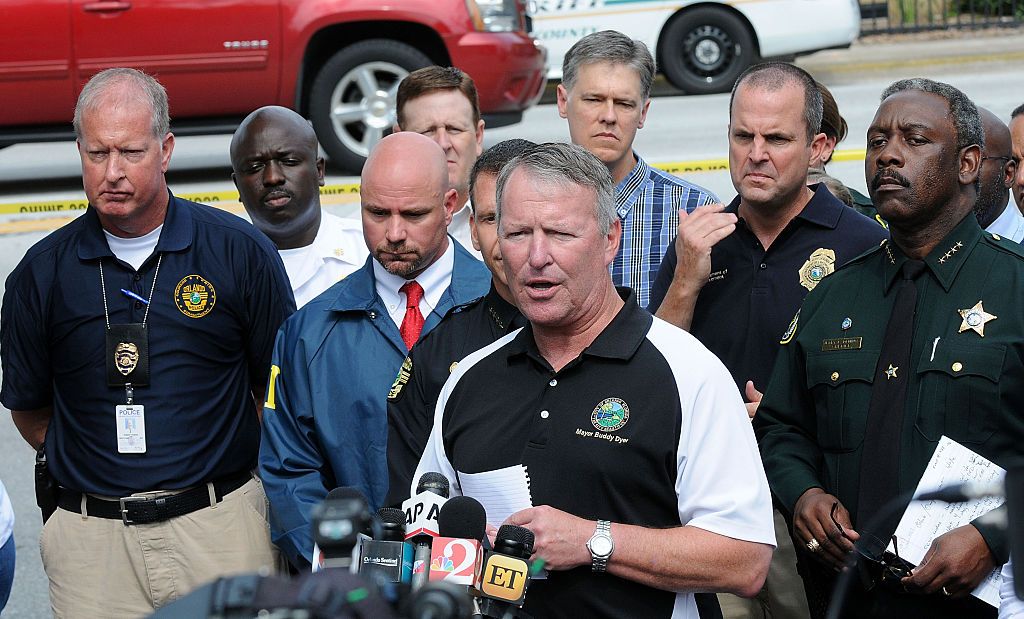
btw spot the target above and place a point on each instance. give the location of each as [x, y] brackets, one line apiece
[601, 546]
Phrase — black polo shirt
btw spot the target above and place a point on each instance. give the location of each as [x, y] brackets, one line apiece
[644, 428]
[752, 294]
[411, 400]
[220, 296]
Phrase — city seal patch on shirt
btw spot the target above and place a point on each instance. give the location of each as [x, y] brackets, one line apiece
[787, 337]
[403, 377]
[821, 264]
[195, 296]
[610, 415]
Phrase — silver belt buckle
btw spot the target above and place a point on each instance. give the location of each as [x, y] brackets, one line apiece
[124, 507]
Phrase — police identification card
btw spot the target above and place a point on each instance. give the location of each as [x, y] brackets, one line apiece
[131, 429]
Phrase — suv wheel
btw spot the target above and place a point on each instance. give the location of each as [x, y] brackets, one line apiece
[352, 102]
[703, 51]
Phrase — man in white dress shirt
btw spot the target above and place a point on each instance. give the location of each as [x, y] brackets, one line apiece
[278, 172]
[441, 103]
[996, 177]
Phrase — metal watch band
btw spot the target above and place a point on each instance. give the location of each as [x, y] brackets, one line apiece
[597, 563]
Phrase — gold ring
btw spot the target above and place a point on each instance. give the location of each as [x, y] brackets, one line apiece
[813, 545]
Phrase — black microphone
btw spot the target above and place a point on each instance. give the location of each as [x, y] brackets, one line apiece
[456, 554]
[421, 512]
[506, 572]
[337, 523]
[387, 558]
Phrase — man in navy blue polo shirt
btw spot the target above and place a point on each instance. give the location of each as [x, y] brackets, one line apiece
[736, 275]
[135, 345]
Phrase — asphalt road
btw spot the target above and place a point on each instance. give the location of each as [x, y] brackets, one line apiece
[677, 129]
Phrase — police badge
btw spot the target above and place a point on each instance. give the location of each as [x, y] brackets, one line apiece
[126, 357]
[821, 264]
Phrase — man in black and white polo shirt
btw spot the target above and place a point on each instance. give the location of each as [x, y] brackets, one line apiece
[628, 436]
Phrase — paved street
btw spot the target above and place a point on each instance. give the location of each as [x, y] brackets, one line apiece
[678, 129]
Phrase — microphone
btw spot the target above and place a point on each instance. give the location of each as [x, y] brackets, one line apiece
[387, 558]
[337, 524]
[421, 512]
[506, 572]
[457, 555]
[967, 491]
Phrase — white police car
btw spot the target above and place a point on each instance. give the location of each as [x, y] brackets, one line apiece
[700, 45]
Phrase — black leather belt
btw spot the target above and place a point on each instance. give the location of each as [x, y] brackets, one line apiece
[146, 510]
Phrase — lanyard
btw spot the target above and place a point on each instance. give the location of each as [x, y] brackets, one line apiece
[103, 285]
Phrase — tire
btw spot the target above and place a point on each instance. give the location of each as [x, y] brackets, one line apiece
[352, 102]
[703, 51]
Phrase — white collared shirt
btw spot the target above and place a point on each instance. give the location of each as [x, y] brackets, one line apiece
[337, 250]
[459, 228]
[1010, 224]
[434, 280]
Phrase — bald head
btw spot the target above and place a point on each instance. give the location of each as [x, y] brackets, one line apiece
[407, 203]
[995, 177]
[278, 172]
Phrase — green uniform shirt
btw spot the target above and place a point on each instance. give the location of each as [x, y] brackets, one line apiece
[811, 423]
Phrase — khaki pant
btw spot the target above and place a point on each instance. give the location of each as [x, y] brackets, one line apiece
[782, 596]
[98, 567]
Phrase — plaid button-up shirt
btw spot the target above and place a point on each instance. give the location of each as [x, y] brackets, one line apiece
[647, 203]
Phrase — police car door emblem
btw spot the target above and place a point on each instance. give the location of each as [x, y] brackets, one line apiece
[974, 318]
[194, 296]
[821, 264]
[126, 357]
[610, 415]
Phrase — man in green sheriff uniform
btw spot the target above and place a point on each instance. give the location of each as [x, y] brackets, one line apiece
[846, 405]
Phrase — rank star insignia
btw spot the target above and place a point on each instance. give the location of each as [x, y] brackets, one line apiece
[891, 372]
[975, 318]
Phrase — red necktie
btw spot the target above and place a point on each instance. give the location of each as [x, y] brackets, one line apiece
[412, 324]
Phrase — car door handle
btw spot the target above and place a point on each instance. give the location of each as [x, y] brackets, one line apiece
[106, 6]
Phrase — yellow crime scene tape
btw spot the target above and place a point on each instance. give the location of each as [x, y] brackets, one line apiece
[62, 210]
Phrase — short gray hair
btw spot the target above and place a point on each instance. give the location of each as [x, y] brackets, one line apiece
[555, 163]
[773, 76]
[146, 88]
[614, 47]
[962, 111]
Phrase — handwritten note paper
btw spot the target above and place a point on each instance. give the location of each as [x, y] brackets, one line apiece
[951, 464]
[502, 492]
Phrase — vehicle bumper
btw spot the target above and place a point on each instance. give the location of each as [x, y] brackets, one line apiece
[508, 68]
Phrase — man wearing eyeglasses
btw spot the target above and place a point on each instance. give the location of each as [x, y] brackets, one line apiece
[916, 340]
[998, 169]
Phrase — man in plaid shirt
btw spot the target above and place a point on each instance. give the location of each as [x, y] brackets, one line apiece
[604, 94]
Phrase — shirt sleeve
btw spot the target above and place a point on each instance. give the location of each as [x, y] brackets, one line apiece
[720, 483]
[24, 351]
[269, 301]
[295, 475]
[664, 278]
[786, 426]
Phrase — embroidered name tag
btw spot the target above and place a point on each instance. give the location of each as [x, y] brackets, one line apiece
[841, 343]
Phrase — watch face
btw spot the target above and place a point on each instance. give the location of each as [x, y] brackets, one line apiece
[601, 545]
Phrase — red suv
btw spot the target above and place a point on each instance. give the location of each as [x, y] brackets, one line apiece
[338, 62]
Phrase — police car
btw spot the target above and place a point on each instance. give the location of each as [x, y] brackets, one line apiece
[700, 45]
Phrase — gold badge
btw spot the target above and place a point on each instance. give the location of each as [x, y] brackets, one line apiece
[787, 337]
[126, 357]
[403, 377]
[975, 318]
[891, 372]
[821, 264]
[194, 296]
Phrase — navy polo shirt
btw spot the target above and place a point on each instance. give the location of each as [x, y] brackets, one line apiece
[220, 296]
[753, 293]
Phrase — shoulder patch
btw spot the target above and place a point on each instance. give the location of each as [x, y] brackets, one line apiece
[403, 377]
[787, 337]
